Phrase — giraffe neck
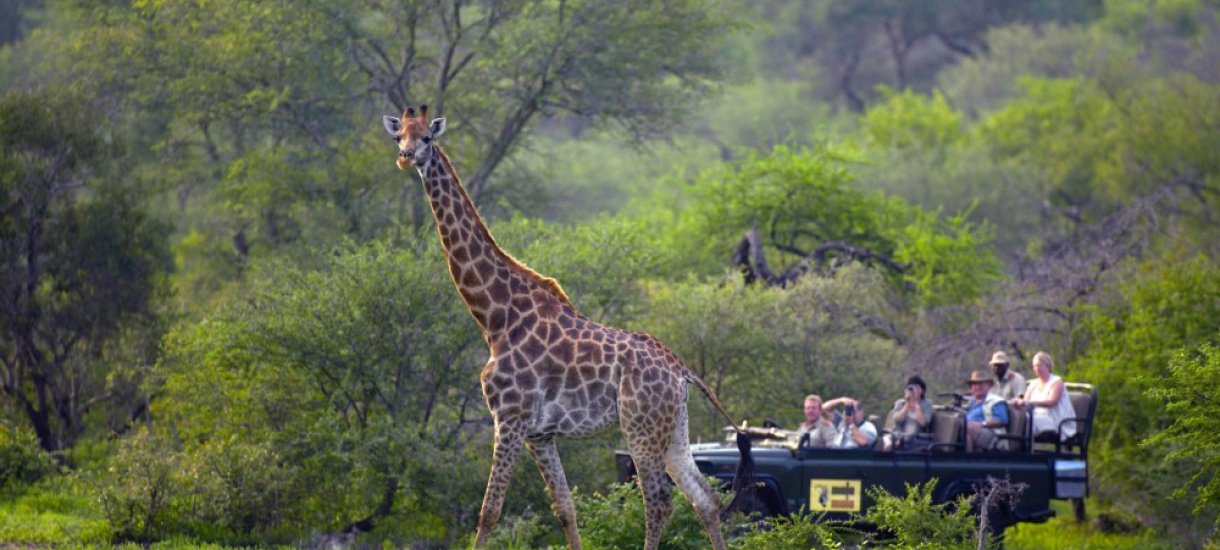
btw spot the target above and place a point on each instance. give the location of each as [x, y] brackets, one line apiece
[486, 277]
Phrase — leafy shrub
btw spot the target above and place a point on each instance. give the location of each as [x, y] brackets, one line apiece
[516, 533]
[21, 459]
[799, 531]
[141, 492]
[915, 522]
[616, 520]
[240, 486]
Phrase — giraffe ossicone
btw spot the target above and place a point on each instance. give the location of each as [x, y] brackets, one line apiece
[552, 372]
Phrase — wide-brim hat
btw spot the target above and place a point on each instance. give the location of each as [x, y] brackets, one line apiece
[980, 376]
[999, 358]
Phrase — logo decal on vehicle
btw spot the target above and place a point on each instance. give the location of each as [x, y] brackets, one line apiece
[834, 495]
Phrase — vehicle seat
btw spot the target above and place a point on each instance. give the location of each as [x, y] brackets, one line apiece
[1084, 403]
[948, 429]
[1017, 436]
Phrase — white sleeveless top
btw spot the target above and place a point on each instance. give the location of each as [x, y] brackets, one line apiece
[1048, 418]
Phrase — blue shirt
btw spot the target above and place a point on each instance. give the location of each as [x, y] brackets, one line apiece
[975, 412]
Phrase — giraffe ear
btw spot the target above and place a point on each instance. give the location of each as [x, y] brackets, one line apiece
[437, 127]
[392, 125]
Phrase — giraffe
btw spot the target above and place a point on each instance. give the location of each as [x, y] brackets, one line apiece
[553, 372]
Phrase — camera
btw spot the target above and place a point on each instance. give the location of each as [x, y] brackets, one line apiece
[911, 388]
[849, 410]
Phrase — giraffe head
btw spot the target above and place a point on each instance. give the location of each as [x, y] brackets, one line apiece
[415, 137]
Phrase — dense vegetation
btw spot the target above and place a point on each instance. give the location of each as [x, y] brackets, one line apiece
[226, 316]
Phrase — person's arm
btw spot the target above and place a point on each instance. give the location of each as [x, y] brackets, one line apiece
[858, 435]
[900, 412]
[830, 406]
[920, 416]
[999, 416]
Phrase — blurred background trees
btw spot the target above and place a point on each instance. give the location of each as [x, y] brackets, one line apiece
[218, 289]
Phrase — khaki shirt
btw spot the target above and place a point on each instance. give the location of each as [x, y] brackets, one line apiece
[1012, 386]
[820, 436]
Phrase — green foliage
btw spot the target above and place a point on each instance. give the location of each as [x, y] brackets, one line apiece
[301, 406]
[1164, 305]
[917, 523]
[141, 492]
[615, 520]
[1064, 533]
[800, 531]
[764, 349]
[81, 261]
[800, 200]
[1190, 396]
[908, 120]
[55, 510]
[22, 461]
[516, 533]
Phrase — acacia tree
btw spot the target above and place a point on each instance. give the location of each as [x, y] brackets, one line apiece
[79, 259]
[498, 66]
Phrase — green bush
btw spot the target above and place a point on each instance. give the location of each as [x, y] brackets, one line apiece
[915, 522]
[142, 490]
[615, 520]
[22, 461]
[240, 486]
[799, 531]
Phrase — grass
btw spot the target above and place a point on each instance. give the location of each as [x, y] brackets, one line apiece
[56, 510]
[61, 511]
[1063, 533]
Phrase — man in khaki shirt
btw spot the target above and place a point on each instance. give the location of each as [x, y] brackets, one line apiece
[1009, 384]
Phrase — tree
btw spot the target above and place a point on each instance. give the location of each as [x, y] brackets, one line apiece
[858, 45]
[1192, 405]
[80, 261]
[804, 209]
[498, 67]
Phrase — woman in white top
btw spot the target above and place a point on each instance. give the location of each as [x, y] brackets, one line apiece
[1047, 395]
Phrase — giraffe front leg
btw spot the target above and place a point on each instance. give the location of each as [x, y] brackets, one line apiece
[504, 455]
[546, 454]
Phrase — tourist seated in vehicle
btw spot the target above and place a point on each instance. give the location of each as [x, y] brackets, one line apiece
[1009, 383]
[986, 414]
[910, 415]
[1049, 400]
[817, 426]
[852, 431]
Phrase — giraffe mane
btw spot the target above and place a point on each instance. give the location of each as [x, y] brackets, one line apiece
[548, 283]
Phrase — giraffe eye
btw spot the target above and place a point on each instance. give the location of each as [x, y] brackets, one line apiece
[427, 139]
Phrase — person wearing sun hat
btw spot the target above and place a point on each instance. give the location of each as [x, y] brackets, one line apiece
[986, 413]
[1010, 384]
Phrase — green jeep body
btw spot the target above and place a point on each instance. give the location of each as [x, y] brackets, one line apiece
[836, 481]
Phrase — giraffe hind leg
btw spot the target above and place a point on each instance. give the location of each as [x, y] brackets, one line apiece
[504, 455]
[546, 454]
[681, 467]
[654, 484]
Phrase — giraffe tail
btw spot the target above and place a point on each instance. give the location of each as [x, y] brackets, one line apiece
[711, 396]
[744, 489]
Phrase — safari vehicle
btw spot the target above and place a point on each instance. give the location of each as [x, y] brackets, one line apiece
[836, 481]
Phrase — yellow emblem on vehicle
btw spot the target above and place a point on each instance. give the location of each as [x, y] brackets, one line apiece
[834, 495]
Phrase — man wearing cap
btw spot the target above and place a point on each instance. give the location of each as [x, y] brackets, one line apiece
[1011, 384]
[986, 413]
